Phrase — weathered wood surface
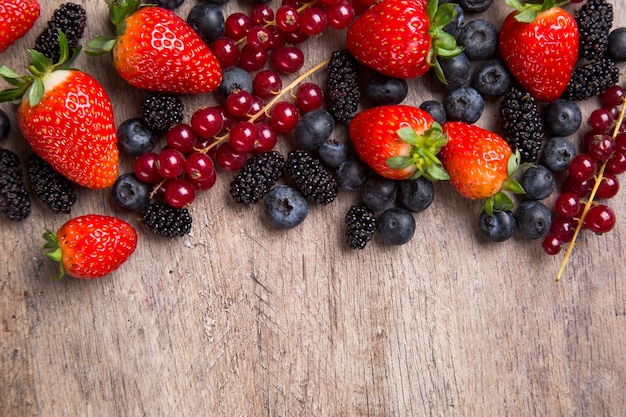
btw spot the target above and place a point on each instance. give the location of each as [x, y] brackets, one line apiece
[238, 319]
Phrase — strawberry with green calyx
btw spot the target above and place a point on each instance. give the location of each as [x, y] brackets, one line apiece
[399, 142]
[17, 17]
[539, 43]
[403, 38]
[90, 246]
[481, 165]
[156, 50]
[67, 118]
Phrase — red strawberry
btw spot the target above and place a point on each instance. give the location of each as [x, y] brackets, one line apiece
[398, 142]
[402, 38]
[67, 118]
[90, 246]
[156, 50]
[17, 17]
[539, 43]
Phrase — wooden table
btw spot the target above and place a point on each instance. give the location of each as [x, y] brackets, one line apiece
[241, 319]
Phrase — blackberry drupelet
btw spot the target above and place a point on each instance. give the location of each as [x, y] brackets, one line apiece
[594, 20]
[521, 123]
[257, 177]
[71, 19]
[14, 199]
[591, 79]
[342, 85]
[166, 221]
[360, 226]
[51, 187]
[310, 177]
[161, 111]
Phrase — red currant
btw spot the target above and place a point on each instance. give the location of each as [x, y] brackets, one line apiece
[170, 163]
[551, 244]
[602, 147]
[284, 116]
[600, 219]
[295, 36]
[601, 120]
[179, 193]
[258, 37]
[261, 14]
[582, 167]
[204, 183]
[309, 96]
[287, 18]
[563, 228]
[617, 164]
[236, 25]
[268, 137]
[199, 166]
[226, 51]
[207, 121]
[252, 60]
[567, 205]
[242, 136]
[267, 83]
[239, 103]
[228, 158]
[145, 168]
[340, 14]
[578, 187]
[609, 186]
[288, 59]
[312, 21]
[181, 137]
[614, 96]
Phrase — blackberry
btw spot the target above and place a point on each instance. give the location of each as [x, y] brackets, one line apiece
[594, 20]
[342, 84]
[51, 187]
[591, 79]
[257, 177]
[14, 199]
[161, 111]
[521, 124]
[360, 226]
[167, 221]
[71, 19]
[310, 176]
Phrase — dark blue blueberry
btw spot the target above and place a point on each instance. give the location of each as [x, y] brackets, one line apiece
[235, 79]
[557, 153]
[352, 174]
[5, 125]
[384, 90]
[285, 207]
[475, 6]
[168, 4]
[435, 109]
[456, 70]
[313, 129]
[396, 226]
[130, 193]
[479, 38]
[333, 153]
[457, 21]
[134, 137]
[538, 182]
[218, 2]
[497, 227]
[491, 79]
[617, 44]
[562, 117]
[464, 104]
[379, 192]
[416, 195]
[207, 20]
[533, 219]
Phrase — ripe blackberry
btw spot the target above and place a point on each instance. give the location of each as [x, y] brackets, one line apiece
[521, 123]
[342, 84]
[164, 220]
[257, 177]
[71, 19]
[310, 176]
[14, 199]
[591, 79]
[161, 111]
[360, 226]
[53, 188]
[594, 20]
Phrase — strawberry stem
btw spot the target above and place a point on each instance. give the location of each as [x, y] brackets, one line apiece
[53, 251]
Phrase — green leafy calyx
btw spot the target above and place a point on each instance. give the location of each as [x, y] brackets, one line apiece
[443, 44]
[53, 251]
[119, 11]
[527, 12]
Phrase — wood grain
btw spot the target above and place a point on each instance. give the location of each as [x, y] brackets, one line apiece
[239, 319]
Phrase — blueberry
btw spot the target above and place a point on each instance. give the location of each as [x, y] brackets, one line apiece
[491, 78]
[562, 117]
[218, 2]
[207, 20]
[235, 79]
[617, 44]
[479, 38]
[416, 195]
[313, 129]
[333, 153]
[497, 227]
[352, 174]
[130, 193]
[5, 125]
[456, 70]
[435, 109]
[168, 4]
[396, 226]
[379, 192]
[285, 207]
[533, 219]
[384, 89]
[557, 153]
[464, 104]
[475, 6]
[134, 137]
[538, 182]
[457, 21]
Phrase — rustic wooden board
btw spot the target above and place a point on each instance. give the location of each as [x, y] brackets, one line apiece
[239, 319]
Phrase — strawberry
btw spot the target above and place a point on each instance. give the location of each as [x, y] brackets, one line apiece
[156, 50]
[67, 118]
[17, 17]
[480, 164]
[402, 38]
[398, 142]
[90, 246]
[539, 43]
